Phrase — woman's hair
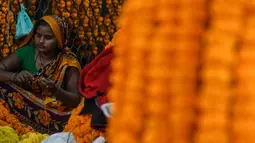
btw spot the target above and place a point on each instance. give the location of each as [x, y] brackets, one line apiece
[40, 22]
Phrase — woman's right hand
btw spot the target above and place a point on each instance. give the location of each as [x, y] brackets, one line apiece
[23, 77]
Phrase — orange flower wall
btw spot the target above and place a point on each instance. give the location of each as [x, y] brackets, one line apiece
[183, 72]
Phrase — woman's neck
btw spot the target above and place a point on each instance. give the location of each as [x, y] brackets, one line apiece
[46, 56]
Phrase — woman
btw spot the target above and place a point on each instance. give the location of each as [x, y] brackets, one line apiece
[39, 80]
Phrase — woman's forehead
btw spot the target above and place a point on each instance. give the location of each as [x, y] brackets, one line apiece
[44, 30]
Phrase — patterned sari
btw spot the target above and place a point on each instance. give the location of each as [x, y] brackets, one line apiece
[44, 113]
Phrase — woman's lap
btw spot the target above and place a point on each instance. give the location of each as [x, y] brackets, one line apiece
[31, 110]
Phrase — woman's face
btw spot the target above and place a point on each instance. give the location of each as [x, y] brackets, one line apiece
[45, 40]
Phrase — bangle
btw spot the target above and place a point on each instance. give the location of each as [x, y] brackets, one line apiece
[12, 77]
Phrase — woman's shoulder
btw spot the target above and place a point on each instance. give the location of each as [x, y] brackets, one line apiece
[26, 48]
[70, 59]
[25, 51]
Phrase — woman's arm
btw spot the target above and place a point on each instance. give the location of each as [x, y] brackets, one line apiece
[8, 66]
[70, 96]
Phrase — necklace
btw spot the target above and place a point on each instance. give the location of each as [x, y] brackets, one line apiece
[41, 64]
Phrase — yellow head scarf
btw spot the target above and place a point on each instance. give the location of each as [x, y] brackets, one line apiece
[58, 27]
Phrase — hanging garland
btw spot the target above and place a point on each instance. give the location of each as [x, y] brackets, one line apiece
[156, 52]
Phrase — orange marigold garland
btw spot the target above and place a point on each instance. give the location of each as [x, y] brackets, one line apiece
[4, 28]
[128, 65]
[185, 43]
[244, 114]
[157, 81]
[217, 76]
[145, 73]
[85, 19]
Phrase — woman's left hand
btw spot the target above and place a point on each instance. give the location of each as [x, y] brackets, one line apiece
[48, 86]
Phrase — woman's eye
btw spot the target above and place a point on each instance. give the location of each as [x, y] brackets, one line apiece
[38, 35]
[48, 37]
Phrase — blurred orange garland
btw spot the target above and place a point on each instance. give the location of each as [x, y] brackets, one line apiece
[154, 72]
[243, 111]
[217, 73]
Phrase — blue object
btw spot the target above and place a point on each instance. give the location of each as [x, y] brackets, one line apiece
[24, 24]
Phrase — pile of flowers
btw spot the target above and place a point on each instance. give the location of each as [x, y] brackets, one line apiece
[80, 126]
[9, 119]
